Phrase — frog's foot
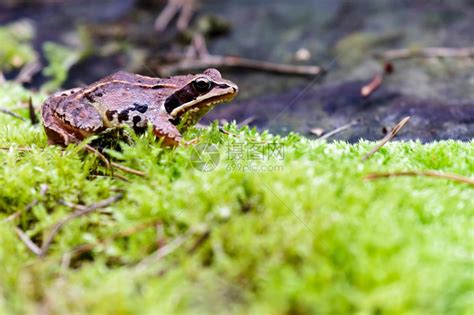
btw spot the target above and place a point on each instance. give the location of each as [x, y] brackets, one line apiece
[192, 141]
[111, 138]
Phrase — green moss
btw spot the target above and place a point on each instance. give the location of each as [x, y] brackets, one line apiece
[311, 236]
[354, 48]
[15, 48]
[60, 60]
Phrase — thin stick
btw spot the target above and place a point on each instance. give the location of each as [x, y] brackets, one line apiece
[372, 86]
[210, 61]
[120, 177]
[19, 212]
[338, 130]
[88, 247]
[31, 111]
[187, 11]
[246, 121]
[109, 164]
[161, 253]
[453, 177]
[8, 112]
[429, 52]
[78, 213]
[201, 239]
[165, 17]
[198, 48]
[28, 71]
[221, 129]
[43, 190]
[387, 138]
[18, 149]
[102, 157]
[128, 169]
[71, 205]
[28, 242]
[377, 81]
[12, 216]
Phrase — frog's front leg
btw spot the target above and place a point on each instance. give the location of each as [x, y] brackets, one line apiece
[164, 129]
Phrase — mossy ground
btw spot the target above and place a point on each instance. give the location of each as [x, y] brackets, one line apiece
[310, 236]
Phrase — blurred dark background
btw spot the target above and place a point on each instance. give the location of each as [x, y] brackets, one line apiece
[344, 37]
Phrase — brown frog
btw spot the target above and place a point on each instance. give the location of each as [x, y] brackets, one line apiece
[170, 105]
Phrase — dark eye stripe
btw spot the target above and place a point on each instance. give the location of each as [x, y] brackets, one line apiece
[171, 103]
[183, 96]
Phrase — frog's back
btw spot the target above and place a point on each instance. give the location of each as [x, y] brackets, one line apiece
[125, 98]
[127, 77]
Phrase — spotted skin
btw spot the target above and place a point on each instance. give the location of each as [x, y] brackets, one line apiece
[134, 100]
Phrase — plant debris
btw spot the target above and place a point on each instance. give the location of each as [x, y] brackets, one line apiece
[387, 138]
[185, 63]
[338, 130]
[80, 211]
[453, 177]
[429, 52]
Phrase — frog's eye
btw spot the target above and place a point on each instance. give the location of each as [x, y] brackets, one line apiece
[202, 85]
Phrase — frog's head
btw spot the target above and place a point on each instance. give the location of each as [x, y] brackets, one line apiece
[195, 95]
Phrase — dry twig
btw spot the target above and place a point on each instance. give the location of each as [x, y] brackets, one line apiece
[198, 47]
[88, 247]
[13, 216]
[186, 14]
[184, 63]
[201, 239]
[453, 177]
[18, 149]
[28, 242]
[81, 211]
[387, 138]
[128, 169]
[28, 71]
[377, 81]
[253, 139]
[428, 52]
[246, 121]
[165, 17]
[372, 86]
[161, 252]
[31, 111]
[9, 112]
[120, 177]
[186, 9]
[338, 130]
[102, 157]
[109, 164]
[43, 190]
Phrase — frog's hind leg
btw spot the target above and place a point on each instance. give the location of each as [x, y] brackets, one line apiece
[54, 131]
[69, 123]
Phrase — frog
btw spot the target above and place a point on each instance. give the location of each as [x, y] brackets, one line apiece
[170, 105]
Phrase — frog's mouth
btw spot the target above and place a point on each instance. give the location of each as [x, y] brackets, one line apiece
[202, 105]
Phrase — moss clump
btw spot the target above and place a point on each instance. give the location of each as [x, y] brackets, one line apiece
[310, 236]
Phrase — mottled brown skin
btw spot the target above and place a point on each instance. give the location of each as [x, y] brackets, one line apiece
[170, 105]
